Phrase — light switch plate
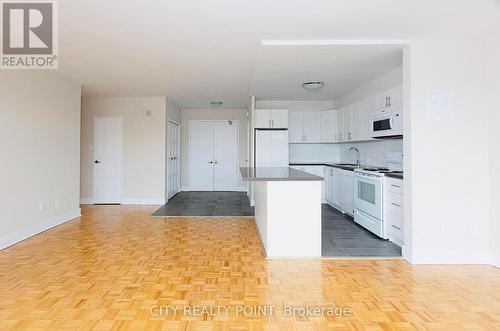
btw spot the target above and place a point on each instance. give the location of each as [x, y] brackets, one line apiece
[439, 105]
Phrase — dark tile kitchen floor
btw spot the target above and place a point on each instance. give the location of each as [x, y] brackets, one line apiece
[207, 204]
[342, 237]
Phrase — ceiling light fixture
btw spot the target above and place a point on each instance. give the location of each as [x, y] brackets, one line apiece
[313, 86]
[216, 104]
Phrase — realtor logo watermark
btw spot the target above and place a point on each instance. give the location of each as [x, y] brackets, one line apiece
[29, 35]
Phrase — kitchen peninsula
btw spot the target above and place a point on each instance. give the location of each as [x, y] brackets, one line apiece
[287, 210]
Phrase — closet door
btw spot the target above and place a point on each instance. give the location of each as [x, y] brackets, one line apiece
[226, 177]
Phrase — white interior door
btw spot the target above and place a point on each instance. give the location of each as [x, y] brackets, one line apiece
[226, 176]
[201, 141]
[107, 150]
[173, 159]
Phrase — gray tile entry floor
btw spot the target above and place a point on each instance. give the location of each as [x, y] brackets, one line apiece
[207, 204]
[342, 237]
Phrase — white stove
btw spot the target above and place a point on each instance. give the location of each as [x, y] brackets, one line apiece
[369, 200]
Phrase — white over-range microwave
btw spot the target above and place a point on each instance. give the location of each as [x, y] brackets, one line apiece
[388, 124]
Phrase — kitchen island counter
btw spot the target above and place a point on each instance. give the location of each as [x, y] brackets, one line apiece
[287, 210]
[276, 174]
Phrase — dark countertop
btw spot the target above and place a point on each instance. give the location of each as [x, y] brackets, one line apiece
[398, 176]
[326, 164]
[276, 174]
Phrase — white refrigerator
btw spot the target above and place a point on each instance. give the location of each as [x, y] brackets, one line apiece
[271, 148]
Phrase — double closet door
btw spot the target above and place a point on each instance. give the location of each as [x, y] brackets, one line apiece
[213, 155]
[173, 160]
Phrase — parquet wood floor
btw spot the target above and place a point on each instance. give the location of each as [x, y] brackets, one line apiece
[111, 268]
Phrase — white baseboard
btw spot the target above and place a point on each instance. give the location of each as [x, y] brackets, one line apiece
[14, 238]
[86, 201]
[185, 188]
[143, 202]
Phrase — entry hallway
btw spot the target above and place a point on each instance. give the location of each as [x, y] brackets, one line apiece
[107, 270]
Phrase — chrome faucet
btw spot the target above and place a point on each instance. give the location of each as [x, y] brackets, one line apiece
[358, 161]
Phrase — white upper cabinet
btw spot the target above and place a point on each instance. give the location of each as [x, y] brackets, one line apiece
[345, 124]
[312, 126]
[390, 98]
[369, 106]
[271, 119]
[305, 126]
[262, 118]
[356, 122]
[295, 126]
[349, 123]
[279, 119]
[329, 126]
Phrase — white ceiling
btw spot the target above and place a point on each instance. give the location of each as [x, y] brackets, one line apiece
[197, 51]
[281, 70]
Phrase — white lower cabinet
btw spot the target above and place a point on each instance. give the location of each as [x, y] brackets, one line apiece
[339, 189]
[393, 214]
[347, 192]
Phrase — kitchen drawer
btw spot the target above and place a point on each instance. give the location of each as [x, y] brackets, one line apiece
[394, 185]
[397, 233]
[395, 203]
[396, 220]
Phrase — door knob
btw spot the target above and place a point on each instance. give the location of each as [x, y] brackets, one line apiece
[211, 162]
[97, 161]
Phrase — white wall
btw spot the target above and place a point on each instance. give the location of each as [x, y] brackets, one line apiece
[383, 83]
[447, 204]
[173, 114]
[294, 105]
[144, 146]
[40, 160]
[493, 69]
[211, 114]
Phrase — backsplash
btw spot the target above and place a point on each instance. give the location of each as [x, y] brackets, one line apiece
[314, 153]
[372, 152]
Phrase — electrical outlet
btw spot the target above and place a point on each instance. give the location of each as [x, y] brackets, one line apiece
[394, 156]
[56, 203]
[40, 206]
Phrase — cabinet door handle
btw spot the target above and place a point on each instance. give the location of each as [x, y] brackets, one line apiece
[269, 123]
[272, 123]
[396, 227]
[395, 204]
[395, 186]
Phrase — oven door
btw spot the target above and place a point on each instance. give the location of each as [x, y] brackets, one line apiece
[368, 196]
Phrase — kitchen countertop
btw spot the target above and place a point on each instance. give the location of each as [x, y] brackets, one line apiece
[276, 174]
[342, 166]
[326, 164]
[398, 176]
